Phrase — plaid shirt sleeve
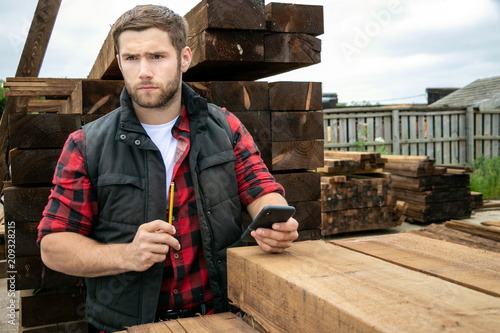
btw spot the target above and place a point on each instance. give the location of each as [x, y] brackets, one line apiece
[253, 176]
[71, 206]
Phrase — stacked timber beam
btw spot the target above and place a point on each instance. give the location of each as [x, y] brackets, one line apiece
[50, 110]
[30, 144]
[286, 126]
[230, 52]
[433, 193]
[355, 194]
[391, 283]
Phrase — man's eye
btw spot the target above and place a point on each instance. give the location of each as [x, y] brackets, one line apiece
[157, 56]
[130, 58]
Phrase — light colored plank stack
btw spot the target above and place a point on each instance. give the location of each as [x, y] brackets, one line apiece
[434, 193]
[472, 235]
[355, 194]
[322, 287]
[221, 322]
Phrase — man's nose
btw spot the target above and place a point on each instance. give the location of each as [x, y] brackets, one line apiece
[145, 70]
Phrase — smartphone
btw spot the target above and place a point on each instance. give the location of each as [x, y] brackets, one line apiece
[266, 218]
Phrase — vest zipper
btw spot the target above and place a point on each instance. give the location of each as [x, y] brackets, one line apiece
[221, 285]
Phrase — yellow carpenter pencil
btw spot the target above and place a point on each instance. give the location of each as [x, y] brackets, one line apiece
[171, 207]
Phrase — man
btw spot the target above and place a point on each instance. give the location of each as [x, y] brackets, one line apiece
[107, 215]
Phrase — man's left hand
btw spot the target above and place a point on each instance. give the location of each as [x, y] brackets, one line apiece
[279, 238]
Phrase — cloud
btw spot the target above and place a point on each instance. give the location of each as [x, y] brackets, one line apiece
[398, 48]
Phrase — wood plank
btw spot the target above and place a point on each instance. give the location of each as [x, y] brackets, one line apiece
[265, 149]
[72, 326]
[25, 241]
[297, 155]
[220, 322]
[25, 204]
[289, 51]
[446, 144]
[413, 135]
[343, 130]
[495, 144]
[487, 132]
[421, 134]
[370, 133]
[33, 166]
[226, 14]
[308, 214]
[462, 265]
[38, 38]
[355, 155]
[441, 232]
[491, 223]
[438, 130]
[300, 186]
[65, 306]
[47, 105]
[31, 273]
[225, 55]
[430, 135]
[299, 126]
[316, 286]
[295, 96]
[106, 66]
[96, 96]
[388, 133]
[479, 131]
[41, 130]
[405, 147]
[286, 17]
[462, 143]
[258, 123]
[475, 229]
[454, 137]
[235, 95]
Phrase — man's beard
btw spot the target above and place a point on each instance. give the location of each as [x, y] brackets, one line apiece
[168, 91]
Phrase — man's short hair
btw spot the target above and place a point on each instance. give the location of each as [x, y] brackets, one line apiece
[143, 17]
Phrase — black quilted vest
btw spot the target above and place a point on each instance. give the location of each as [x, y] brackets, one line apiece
[128, 179]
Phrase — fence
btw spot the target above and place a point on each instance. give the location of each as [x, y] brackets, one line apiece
[450, 136]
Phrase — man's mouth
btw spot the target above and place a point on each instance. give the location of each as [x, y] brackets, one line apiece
[147, 88]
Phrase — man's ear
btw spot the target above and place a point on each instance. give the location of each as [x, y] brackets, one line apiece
[186, 57]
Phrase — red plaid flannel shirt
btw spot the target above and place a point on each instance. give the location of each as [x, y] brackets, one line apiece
[72, 205]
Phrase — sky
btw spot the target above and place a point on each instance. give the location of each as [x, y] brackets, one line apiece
[380, 51]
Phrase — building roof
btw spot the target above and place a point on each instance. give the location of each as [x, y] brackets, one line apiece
[475, 93]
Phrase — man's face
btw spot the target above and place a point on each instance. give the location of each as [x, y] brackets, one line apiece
[151, 67]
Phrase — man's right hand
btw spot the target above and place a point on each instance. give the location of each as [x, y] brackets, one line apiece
[151, 244]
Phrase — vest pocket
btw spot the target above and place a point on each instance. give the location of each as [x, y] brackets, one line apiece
[121, 198]
[217, 177]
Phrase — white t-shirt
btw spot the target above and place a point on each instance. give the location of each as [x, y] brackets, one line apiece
[167, 144]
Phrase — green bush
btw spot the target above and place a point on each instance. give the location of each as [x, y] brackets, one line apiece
[486, 177]
[3, 98]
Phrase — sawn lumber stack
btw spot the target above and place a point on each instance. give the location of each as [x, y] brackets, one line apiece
[355, 194]
[433, 193]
